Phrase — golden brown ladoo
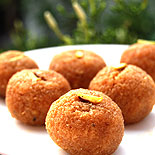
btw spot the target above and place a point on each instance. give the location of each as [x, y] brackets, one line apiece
[10, 63]
[85, 122]
[31, 92]
[130, 87]
[141, 55]
[77, 66]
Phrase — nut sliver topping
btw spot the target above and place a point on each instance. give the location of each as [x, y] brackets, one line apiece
[90, 98]
[17, 58]
[79, 54]
[120, 66]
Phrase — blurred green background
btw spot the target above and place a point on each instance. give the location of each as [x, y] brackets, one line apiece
[23, 26]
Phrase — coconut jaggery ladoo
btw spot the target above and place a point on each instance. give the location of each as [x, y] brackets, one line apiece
[10, 63]
[31, 92]
[77, 66]
[128, 86]
[85, 122]
[141, 55]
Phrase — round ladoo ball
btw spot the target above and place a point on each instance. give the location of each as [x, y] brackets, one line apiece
[141, 55]
[85, 122]
[130, 87]
[10, 63]
[77, 66]
[30, 93]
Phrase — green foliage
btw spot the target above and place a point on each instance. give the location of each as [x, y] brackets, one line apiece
[89, 33]
[99, 21]
[23, 39]
[128, 21]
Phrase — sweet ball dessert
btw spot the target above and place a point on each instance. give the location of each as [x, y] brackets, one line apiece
[10, 63]
[141, 55]
[85, 122]
[77, 66]
[31, 92]
[128, 86]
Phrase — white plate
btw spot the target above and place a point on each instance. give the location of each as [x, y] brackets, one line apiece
[20, 139]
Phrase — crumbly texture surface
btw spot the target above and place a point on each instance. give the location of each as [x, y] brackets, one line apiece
[10, 63]
[78, 69]
[31, 92]
[141, 55]
[130, 87]
[81, 127]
